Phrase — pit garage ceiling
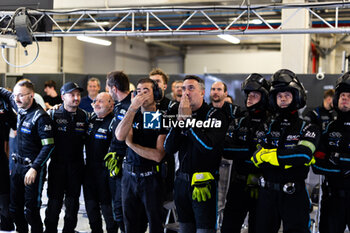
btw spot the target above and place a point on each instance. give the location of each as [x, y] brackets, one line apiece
[69, 4]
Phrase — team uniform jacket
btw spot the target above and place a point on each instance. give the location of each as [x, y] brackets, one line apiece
[70, 130]
[240, 142]
[333, 155]
[200, 149]
[295, 141]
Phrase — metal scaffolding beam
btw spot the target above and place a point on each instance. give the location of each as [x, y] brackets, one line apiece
[183, 21]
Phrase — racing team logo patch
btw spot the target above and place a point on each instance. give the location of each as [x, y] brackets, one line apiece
[151, 120]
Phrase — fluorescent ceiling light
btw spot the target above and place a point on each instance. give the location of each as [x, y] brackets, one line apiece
[256, 21]
[94, 40]
[231, 39]
[98, 23]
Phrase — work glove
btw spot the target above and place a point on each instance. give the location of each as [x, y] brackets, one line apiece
[253, 185]
[262, 155]
[201, 186]
[113, 163]
[312, 161]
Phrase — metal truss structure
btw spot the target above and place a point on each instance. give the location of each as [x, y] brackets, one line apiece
[331, 17]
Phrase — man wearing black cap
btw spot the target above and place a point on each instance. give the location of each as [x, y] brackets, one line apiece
[67, 162]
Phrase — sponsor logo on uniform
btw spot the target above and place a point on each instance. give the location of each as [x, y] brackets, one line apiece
[335, 134]
[61, 121]
[136, 125]
[80, 124]
[26, 124]
[310, 134]
[275, 134]
[151, 120]
[100, 136]
[120, 117]
[123, 111]
[62, 128]
[47, 128]
[293, 137]
[100, 130]
[25, 130]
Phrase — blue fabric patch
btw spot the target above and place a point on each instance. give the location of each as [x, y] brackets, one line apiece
[120, 117]
[100, 136]
[25, 130]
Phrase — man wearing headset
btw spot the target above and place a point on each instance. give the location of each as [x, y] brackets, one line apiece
[285, 153]
[141, 181]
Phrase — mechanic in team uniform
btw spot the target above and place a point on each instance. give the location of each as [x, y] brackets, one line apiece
[97, 193]
[66, 169]
[118, 83]
[287, 144]
[240, 145]
[7, 121]
[142, 182]
[332, 160]
[34, 146]
[200, 150]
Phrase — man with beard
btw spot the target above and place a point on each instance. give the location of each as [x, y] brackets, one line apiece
[118, 87]
[141, 183]
[218, 93]
[177, 91]
[34, 146]
[66, 167]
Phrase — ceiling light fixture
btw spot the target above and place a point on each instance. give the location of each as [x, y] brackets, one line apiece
[256, 21]
[231, 39]
[93, 40]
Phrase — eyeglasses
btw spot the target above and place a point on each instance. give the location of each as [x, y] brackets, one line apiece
[20, 95]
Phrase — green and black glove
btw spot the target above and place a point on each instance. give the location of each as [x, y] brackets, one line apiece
[201, 186]
[113, 163]
[262, 155]
[253, 185]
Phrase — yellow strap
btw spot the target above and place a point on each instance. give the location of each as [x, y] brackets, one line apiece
[47, 141]
[308, 144]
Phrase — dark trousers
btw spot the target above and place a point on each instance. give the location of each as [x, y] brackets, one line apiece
[276, 206]
[98, 197]
[142, 192]
[238, 203]
[201, 214]
[115, 186]
[64, 182]
[25, 201]
[335, 212]
[6, 223]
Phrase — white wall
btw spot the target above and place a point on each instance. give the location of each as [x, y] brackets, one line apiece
[99, 59]
[48, 60]
[131, 56]
[200, 61]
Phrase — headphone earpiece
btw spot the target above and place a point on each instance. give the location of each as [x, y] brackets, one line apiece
[157, 92]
